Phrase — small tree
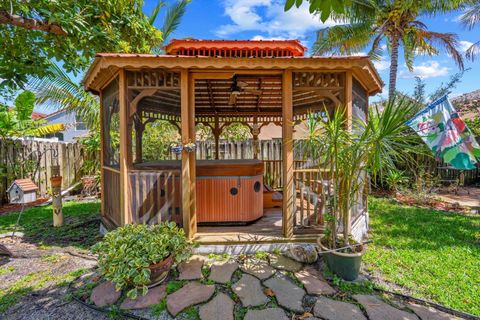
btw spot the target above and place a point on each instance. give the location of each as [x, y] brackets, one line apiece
[347, 158]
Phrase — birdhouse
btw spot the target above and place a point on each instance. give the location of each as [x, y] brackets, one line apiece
[22, 191]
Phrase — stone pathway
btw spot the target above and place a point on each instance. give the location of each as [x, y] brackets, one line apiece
[288, 294]
[250, 291]
[191, 269]
[275, 288]
[221, 272]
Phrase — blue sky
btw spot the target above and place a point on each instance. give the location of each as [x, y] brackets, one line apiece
[265, 19]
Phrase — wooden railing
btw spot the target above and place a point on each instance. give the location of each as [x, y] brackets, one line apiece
[156, 196]
[111, 195]
[273, 172]
[309, 185]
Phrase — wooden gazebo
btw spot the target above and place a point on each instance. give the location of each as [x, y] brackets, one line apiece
[215, 83]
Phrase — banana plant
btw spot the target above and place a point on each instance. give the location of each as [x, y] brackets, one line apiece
[17, 121]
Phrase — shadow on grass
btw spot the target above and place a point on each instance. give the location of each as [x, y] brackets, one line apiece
[405, 227]
[80, 229]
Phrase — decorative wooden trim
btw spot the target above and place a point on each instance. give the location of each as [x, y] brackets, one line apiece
[362, 67]
[134, 103]
[287, 154]
[124, 166]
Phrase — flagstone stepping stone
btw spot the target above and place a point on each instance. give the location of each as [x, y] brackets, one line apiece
[191, 269]
[221, 272]
[284, 263]
[153, 296]
[250, 291]
[105, 294]
[313, 282]
[329, 309]
[257, 268]
[266, 314]
[219, 308]
[288, 294]
[190, 294]
[379, 310]
[429, 313]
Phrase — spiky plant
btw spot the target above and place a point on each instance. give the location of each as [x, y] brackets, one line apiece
[395, 23]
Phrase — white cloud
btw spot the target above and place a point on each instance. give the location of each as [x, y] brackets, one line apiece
[268, 17]
[382, 64]
[260, 37]
[464, 45]
[429, 69]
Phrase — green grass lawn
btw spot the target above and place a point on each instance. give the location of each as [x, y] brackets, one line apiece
[81, 223]
[433, 254]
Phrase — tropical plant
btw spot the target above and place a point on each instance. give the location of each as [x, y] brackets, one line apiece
[125, 254]
[58, 90]
[470, 19]
[17, 121]
[72, 31]
[345, 157]
[395, 23]
[395, 179]
[91, 145]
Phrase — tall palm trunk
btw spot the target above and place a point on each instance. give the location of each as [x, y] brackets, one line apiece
[393, 67]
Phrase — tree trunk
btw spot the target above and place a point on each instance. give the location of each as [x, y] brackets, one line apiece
[393, 67]
[30, 24]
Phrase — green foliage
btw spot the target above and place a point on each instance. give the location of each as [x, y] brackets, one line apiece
[191, 313]
[75, 30]
[91, 159]
[236, 132]
[474, 126]
[262, 255]
[17, 122]
[174, 285]
[159, 308]
[434, 255]
[157, 139]
[374, 147]
[362, 287]
[471, 18]
[126, 253]
[395, 179]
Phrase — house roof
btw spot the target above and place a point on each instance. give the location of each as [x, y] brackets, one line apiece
[38, 115]
[25, 185]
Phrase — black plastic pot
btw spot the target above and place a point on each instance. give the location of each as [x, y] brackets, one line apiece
[344, 265]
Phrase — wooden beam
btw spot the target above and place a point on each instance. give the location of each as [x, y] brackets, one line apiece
[102, 158]
[287, 154]
[348, 98]
[124, 150]
[134, 103]
[189, 223]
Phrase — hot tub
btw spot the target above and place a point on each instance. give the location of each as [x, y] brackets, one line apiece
[227, 191]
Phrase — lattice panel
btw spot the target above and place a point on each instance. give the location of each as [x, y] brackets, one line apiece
[155, 78]
[317, 79]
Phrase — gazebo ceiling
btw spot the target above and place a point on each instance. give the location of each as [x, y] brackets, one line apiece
[257, 94]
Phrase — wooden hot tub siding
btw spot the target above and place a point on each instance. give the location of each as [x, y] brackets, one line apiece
[156, 191]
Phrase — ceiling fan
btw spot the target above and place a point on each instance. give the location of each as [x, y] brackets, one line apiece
[237, 88]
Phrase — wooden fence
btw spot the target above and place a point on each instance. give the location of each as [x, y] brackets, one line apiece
[28, 158]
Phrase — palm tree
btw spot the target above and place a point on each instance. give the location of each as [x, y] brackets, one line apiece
[394, 22]
[59, 90]
[470, 19]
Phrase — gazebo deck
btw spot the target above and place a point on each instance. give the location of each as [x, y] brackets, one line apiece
[267, 229]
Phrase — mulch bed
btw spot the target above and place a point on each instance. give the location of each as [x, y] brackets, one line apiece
[9, 207]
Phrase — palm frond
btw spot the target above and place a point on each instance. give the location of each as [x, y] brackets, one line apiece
[47, 129]
[173, 17]
[473, 51]
[471, 17]
[344, 39]
[153, 16]
[447, 40]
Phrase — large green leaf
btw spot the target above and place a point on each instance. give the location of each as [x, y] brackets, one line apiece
[24, 104]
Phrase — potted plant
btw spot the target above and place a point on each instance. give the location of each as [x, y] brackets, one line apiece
[137, 256]
[347, 158]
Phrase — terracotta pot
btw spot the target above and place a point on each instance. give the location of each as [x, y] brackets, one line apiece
[89, 181]
[159, 271]
[56, 181]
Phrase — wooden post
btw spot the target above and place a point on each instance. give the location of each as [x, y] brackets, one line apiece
[189, 221]
[192, 155]
[348, 98]
[349, 117]
[102, 158]
[126, 216]
[56, 184]
[255, 132]
[216, 135]
[287, 154]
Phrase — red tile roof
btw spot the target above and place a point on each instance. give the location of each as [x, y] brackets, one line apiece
[236, 48]
[25, 184]
[38, 115]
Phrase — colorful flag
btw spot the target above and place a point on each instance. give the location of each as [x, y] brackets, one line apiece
[441, 128]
